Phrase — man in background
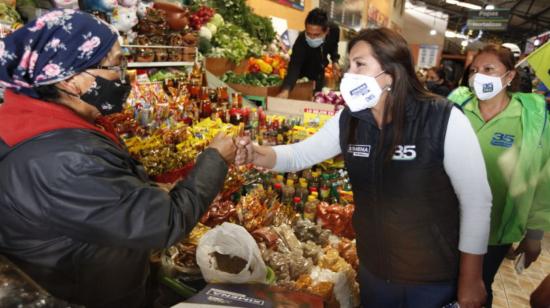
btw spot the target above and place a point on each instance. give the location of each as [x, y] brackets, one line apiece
[311, 50]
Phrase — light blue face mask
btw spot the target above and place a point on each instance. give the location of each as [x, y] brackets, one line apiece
[316, 42]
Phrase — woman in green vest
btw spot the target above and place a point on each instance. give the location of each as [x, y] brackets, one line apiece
[512, 129]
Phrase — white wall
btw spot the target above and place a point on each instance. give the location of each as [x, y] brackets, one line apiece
[417, 23]
[396, 16]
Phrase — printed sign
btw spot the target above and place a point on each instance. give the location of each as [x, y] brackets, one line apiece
[297, 4]
[253, 296]
[345, 12]
[375, 18]
[427, 56]
[316, 117]
[493, 20]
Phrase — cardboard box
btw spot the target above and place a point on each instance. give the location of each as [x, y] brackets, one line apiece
[294, 107]
[302, 91]
[245, 89]
[218, 66]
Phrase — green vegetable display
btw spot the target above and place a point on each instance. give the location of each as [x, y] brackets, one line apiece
[260, 27]
[240, 14]
[236, 45]
[256, 79]
[237, 35]
[205, 47]
[8, 14]
[162, 75]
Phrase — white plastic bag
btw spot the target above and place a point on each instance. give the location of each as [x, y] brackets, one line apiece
[232, 240]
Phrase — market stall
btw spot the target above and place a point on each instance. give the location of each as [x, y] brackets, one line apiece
[291, 233]
[298, 226]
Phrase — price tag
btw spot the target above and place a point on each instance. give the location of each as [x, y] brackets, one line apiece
[316, 117]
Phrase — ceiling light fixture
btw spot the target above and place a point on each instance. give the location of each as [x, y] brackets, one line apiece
[464, 4]
[433, 31]
[489, 7]
[450, 34]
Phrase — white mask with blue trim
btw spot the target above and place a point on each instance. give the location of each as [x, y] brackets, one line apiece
[486, 87]
[360, 91]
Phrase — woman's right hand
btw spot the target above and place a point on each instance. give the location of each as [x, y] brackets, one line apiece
[471, 290]
[471, 293]
[245, 151]
[248, 152]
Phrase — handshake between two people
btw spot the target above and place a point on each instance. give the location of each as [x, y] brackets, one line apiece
[241, 150]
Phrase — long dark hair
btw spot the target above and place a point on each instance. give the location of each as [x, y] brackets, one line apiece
[465, 79]
[392, 52]
[506, 57]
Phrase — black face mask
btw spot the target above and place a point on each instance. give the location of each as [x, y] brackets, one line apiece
[431, 84]
[108, 96]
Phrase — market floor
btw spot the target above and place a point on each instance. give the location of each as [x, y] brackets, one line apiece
[512, 290]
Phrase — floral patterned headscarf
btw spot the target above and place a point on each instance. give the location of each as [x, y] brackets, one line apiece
[52, 48]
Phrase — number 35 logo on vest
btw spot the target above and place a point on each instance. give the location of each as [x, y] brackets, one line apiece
[405, 152]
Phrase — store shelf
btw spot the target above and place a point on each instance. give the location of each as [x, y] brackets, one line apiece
[158, 46]
[215, 82]
[158, 64]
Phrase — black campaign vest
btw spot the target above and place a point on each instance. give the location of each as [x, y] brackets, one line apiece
[406, 211]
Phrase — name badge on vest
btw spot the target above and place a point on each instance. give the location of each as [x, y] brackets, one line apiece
[359, 150]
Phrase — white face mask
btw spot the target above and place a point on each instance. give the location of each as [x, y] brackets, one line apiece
[316, 42]
[486, 87]
[360, 91]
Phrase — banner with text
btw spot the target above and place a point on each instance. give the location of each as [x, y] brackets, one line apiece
[491, 20]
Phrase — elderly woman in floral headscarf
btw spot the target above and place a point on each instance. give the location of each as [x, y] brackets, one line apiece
[77, 213]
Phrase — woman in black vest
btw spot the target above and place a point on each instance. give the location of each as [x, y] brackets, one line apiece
[418, 177]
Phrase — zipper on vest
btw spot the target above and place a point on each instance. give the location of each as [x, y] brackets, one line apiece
[379, 235]
[382, 253]
[386, 257]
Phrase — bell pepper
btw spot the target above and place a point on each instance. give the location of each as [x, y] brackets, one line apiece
[282, 73]
[265, 67]
[267, 59]
[250, 64]
[254, 68]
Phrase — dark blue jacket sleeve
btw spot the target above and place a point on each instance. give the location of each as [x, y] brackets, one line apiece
[99, 199]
